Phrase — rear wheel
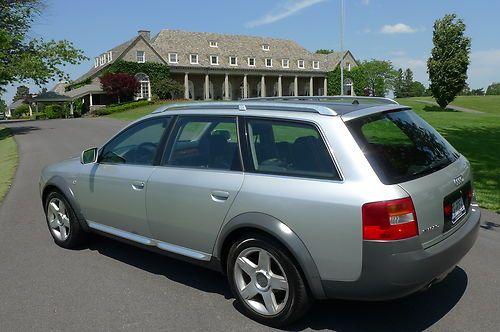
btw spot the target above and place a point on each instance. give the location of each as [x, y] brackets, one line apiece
[266, 281]
[62, 222]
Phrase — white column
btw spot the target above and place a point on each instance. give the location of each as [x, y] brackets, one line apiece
[296, 86]
[149, 90]
[311, 86]
[325, 87]
[226, 87]
[207, 87]
[71, 110]
[245, 86]
[186, 86]
[280, 87]
[262, 86]
[91, 100]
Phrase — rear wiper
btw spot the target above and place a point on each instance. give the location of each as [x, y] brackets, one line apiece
[434, 166]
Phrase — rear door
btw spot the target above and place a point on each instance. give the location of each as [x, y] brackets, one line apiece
[403, 149]
[190, 194]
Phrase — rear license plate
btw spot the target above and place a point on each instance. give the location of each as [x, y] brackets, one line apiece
[457, 210]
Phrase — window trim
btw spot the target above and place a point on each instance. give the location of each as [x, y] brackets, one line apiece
[287, 63]
[176, 57]
[216, 57]
[248, 61]
[143, 56]
[266, 47]
[315, 64]
[303, 64]
[191, 59]
[213, 43]
[110, 56]
[169, 141]
[265, 62]
[248, 159]
[235, 60]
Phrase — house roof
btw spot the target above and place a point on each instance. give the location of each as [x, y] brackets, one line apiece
[50, 96]
[16, 104]
[84, 90]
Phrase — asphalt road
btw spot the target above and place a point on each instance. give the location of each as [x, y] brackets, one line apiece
[109, 285]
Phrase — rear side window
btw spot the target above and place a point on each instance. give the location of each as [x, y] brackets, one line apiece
[289, 148]
[401, 146]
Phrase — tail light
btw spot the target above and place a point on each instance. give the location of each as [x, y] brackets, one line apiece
[389, 220]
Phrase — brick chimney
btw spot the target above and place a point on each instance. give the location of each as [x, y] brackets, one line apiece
[145, 34]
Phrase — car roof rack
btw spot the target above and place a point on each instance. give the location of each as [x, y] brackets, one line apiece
[351, 99]
[244, 105]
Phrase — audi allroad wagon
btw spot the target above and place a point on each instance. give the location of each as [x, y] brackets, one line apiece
[293, 198]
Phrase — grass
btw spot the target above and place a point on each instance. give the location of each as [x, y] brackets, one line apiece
[476, 136]
[8, 160]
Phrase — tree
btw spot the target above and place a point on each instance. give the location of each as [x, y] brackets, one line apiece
[447, 66]
[22, 92]
[417, 89]
[398, 84]
[465, 91]
[477, 92]
[3, 106]
[357, 76]
[493, 89]
[23, 58]
[121, 85]
[324, 51]
[408, 82]
[380, 76]
[168, 88]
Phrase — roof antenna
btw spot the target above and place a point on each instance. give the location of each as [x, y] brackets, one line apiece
[355, 102]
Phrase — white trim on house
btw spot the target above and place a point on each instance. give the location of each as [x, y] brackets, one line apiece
[213, 43]
[196, 61]
[173, 58]
[266, 47]
[285, 63]
[231, 58]
[216, 58]
[251, 62]
[96, 62]
[301, 64]
[268, 62]
[348, 66]
[315, 64]
[140, 56]
[110, 56]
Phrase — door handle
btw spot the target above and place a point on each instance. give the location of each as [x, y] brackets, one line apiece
[219, 195]
[138, 185]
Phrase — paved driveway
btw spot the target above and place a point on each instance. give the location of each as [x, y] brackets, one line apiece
[109, 285]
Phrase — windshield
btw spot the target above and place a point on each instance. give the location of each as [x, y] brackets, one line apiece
[401, 146]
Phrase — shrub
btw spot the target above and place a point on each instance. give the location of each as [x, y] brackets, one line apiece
[168, 88]
[122, 85]
[53, 111]
[122, 107]
[21, 111]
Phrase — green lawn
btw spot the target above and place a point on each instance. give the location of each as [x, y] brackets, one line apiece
[477, 136]
[8, 160]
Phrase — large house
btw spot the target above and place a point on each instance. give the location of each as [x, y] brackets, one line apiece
[218, 66]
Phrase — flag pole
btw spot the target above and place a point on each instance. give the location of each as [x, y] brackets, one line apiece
[341, 47]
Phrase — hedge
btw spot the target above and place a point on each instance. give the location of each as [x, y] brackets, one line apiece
[122, 107]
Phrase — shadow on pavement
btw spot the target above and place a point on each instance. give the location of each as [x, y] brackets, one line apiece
[413, 313]
[23, 130]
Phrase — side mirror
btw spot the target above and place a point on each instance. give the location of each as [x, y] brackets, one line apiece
[89, 156]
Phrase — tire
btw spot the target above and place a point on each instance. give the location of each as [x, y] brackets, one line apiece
[252, 283]
[62, 222]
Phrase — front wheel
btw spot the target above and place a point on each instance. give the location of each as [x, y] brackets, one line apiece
[266, 282]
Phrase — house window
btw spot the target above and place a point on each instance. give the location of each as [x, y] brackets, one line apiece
[172, 57]
[265, 47]
[269, 62]
[145, 86]
[193, 58]
[96, 62]
[103, 59]
[315, 64]
[214, 60]
[110, 56]
[251, 62]
[285, 63]
[141, 56]
[213, 43]
[233, 61]
[300, 64]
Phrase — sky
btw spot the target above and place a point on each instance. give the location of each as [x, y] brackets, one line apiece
[395, 30]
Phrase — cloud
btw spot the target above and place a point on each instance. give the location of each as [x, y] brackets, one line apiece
[417, 65]
[282, 11]
[484, 68]
[397, 28]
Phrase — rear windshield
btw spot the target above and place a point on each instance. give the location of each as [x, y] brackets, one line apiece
[401, 146]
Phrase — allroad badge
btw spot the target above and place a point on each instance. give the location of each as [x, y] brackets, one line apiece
[458, 180]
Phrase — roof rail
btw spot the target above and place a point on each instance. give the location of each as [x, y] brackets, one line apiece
[351, 99]
[244, 105]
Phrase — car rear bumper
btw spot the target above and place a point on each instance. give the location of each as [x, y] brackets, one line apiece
[395, 269]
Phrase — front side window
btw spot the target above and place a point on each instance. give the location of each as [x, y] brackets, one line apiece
[269, 62]
[251, 62]
[285, 63]
[141, 56]
[316, 64]
[213, 43]
[233, 61]
[289, 148]
[193, 59]
[214, 60]
[205, 142]
[300, 64]
[172, 57]
[136, 145]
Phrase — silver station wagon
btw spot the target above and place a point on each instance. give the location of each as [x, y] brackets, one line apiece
[293, 198]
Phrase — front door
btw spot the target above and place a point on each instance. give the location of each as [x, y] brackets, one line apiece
[190, 194]
[112, 192]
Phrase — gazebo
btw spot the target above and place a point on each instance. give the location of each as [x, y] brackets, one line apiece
[52, 97]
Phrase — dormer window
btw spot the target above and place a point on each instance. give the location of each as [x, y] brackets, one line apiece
[301, 64]
[251, 62]
[102, 59]
[269, 62]
[172, 57]
[315, 64]
[193, 58]
[214, 60]
[96, 62]
[213, 43]
[285, 63]
[141, 56]
[110, 56]
[265, 47]
[233, 61]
